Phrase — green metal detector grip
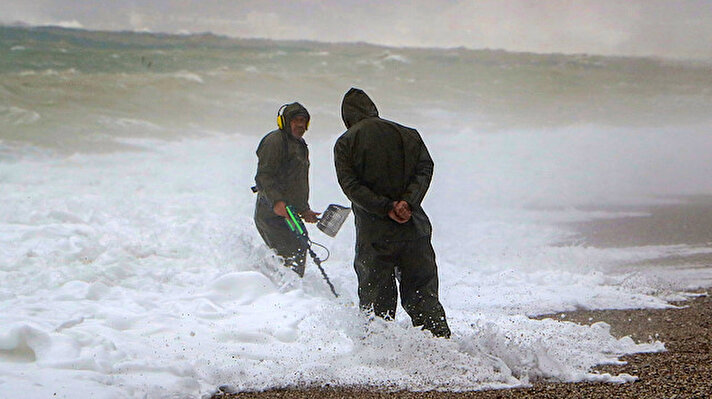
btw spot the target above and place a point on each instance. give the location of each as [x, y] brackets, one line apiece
[295, 222]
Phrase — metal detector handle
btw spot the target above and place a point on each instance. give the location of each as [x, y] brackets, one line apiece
[295, 223]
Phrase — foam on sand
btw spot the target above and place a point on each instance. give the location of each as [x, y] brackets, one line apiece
[134, 274]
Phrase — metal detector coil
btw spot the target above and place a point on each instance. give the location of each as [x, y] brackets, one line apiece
[333, 218]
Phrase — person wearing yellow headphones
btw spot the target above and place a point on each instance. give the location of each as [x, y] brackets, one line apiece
[282, 179]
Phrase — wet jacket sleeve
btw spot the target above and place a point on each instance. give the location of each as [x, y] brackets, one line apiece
[358, 193]
[269, 161]
[420, 181]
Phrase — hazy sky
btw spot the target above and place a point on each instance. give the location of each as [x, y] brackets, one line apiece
[676, 28]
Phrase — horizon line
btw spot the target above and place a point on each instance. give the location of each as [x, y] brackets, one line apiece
[25, 25]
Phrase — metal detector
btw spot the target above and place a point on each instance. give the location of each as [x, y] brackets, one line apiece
[294, 221]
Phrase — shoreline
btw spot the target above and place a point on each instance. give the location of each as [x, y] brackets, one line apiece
[683, 370]
[686, 329]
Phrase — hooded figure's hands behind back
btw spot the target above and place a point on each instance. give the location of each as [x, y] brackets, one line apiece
[401, 212]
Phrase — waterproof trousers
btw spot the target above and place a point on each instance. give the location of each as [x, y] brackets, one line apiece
[378, 265]
[278, 236]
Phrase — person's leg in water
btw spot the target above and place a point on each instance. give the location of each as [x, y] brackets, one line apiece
[375, 269]
[278, 236]
[296, 261]
[419, 287]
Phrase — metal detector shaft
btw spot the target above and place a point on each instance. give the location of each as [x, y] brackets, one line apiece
[321, 269]
[296, 225]
[317, 261]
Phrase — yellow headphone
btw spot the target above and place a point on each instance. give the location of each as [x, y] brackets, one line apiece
[280, 117]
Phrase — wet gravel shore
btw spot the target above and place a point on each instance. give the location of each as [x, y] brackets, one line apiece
[684, 371]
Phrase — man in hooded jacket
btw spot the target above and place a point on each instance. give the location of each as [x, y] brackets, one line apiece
[283, 179]
[385, 170]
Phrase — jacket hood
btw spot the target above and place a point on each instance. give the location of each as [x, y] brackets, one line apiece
[356, 107]
[291, 111]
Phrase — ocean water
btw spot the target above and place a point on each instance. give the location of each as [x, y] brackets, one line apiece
[130, 266]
